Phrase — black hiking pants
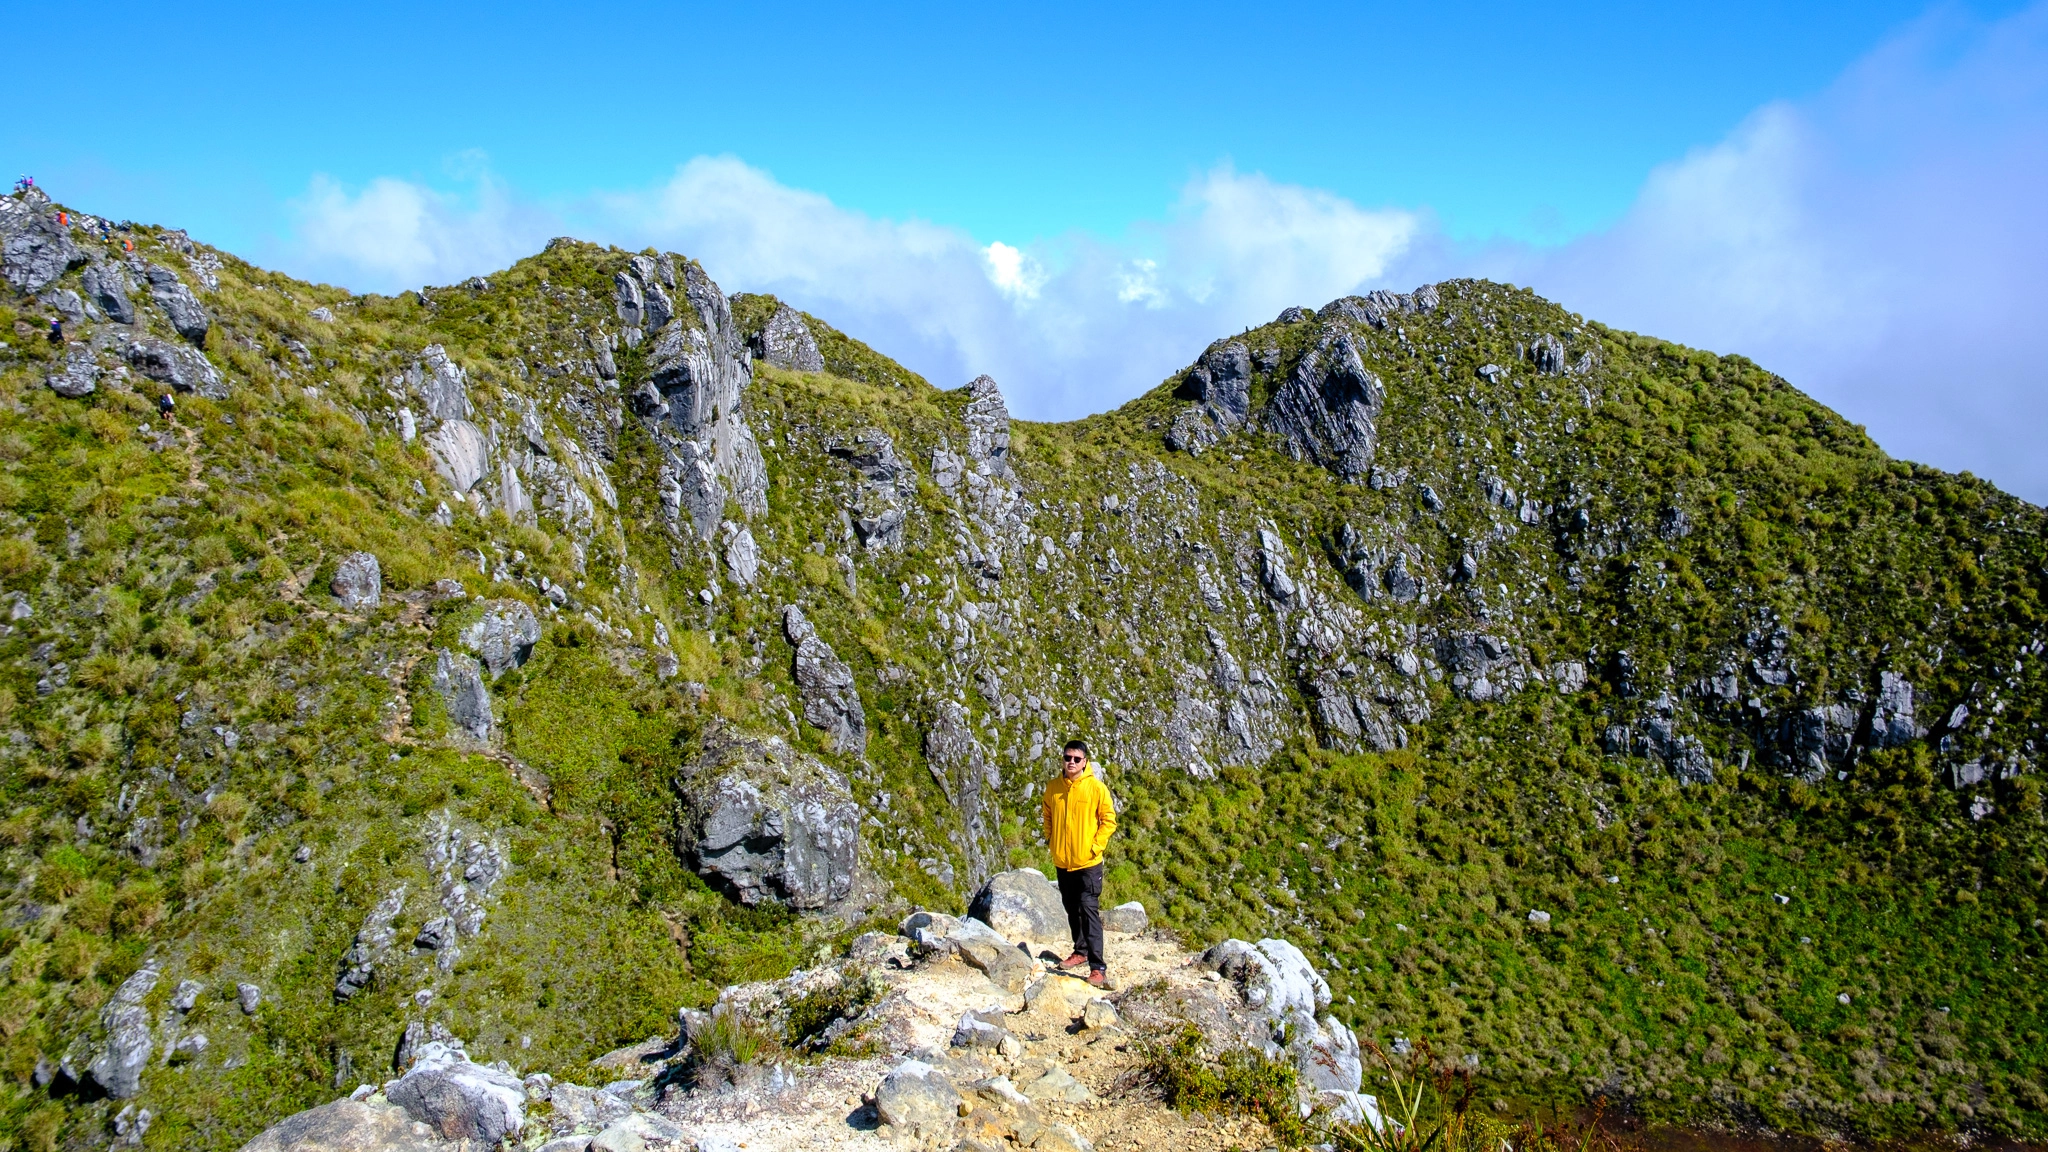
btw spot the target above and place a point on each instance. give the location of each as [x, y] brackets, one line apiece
[1081, 892]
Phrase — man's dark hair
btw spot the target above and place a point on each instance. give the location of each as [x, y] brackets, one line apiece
[1080, 746]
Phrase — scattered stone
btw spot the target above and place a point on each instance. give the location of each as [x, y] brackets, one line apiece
[186, 996]
[918, 1098]
[250, 997]
[986, 951]
[1128, 918]
[358, 582]
[640, 1131]
[1056, 1086]
[1061, 1138]
[1098, 1013]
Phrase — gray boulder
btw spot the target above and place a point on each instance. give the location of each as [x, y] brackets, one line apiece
[184, 369]
[249, 997]
[440, 383]
[107, 284]
[1328, 409]
[179, 306]
[831, 701]
[980, 1030]
[348, 1126]
[646, 1131]
[460, 1100]
[766, 822]
[503, 636]
[461, 684]
[1220, 387]
[917, 1097]
[878, 507]
[79, 376]
[1022, 904]
[118, 1068]
[787, 342]
[983, 949]
[358, 581]
[34, 249]
[1127, 918]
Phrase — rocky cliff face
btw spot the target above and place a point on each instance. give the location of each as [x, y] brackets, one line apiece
[1605, 711]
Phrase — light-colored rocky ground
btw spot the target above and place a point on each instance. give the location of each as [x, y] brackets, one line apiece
[966, 1039]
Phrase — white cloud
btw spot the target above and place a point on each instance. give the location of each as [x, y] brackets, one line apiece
[396, 234]
[1013, 272]
[1069, 327]
[1883, 245]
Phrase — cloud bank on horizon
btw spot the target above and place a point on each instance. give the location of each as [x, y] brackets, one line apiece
[1883, 245]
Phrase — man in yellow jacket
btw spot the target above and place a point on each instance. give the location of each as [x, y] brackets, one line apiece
[1079, 816]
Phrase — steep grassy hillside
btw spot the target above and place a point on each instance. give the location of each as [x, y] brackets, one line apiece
[1396, 625]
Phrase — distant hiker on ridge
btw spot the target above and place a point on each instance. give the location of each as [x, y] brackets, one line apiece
[1079, 817]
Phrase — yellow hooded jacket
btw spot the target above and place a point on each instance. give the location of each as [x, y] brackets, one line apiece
[1079, 816]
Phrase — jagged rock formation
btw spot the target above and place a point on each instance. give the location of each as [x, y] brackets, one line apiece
[1450, 592]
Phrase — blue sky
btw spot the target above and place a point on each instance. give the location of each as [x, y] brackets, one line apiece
[1077, 200]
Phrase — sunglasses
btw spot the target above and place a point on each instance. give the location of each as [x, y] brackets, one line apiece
[1075, 759]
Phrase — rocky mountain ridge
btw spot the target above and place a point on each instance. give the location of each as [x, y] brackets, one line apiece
[534, 655]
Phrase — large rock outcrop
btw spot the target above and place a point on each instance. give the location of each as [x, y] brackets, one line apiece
[179, 306]
[1327, 412]
[460, 1100]
[34, 249]
[1284, 993]
[787, 343]
[184, 369]
[768, 823]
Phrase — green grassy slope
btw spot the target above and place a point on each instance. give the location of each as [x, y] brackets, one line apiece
[1730, 524]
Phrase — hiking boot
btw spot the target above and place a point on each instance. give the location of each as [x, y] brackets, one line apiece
[1074, 961]
[1098, 978]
